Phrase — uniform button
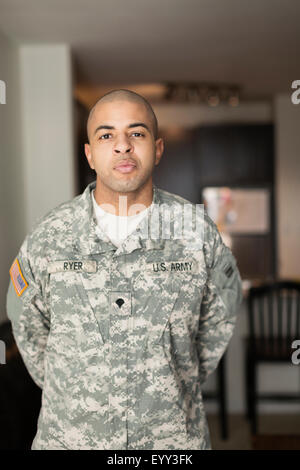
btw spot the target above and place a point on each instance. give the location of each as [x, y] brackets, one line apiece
[120, 302]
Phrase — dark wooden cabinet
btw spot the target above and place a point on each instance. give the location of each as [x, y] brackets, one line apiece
[234, 155]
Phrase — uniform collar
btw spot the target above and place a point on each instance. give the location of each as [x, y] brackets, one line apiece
[88, 238]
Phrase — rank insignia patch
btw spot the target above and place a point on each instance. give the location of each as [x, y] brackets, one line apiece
[18, 280]
[228, 270]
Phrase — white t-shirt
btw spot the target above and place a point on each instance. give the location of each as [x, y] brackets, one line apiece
[117, 227]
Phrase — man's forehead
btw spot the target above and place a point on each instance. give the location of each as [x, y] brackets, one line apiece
[109, 112]
[119, 108]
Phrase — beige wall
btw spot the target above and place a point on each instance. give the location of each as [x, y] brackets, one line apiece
[47, 124]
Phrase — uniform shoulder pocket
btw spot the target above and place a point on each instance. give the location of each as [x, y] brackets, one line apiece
[14, 304]
[226, 278]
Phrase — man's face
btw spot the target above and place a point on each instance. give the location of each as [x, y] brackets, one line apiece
[120, 132]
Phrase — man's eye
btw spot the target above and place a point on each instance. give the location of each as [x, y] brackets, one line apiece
[104, 136]
[138, 134]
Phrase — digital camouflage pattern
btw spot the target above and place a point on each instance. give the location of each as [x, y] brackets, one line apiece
[121, 339]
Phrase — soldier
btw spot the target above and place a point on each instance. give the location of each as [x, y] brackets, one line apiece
[120, 330]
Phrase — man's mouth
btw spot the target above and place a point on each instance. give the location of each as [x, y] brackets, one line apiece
[125, 167]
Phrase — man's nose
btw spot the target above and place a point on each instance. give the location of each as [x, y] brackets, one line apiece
[123, 145]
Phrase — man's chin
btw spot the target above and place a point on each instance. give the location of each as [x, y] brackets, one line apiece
[125, 186]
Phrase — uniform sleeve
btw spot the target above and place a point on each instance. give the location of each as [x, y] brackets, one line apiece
[28, 313]
[221, 299]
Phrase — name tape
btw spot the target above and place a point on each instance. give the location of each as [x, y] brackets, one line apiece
[88, 266]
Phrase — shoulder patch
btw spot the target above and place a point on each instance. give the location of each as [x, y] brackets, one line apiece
[18, 280]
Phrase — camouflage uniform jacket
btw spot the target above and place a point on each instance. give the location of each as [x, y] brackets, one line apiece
[121, 339]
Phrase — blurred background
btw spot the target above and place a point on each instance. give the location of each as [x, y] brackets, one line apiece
[219, 76]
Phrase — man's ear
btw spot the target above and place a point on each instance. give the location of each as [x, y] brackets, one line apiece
[159, 144]
[87, 151]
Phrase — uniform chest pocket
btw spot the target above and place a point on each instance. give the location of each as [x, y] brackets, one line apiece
[169, 291]
[72, 313]
[158, 295]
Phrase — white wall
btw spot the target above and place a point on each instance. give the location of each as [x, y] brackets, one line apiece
[47, 123]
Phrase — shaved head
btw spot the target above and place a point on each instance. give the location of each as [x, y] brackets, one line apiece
[125, 95]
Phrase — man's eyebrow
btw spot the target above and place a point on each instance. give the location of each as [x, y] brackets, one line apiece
[105, 126]
[134, 124]
[139, 124]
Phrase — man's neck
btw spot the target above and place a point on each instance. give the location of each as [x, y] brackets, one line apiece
[124, 204]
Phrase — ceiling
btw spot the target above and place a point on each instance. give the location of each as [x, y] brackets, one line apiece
[254, 44]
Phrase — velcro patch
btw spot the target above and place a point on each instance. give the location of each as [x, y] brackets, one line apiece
[173, 266]
[19, 282]
[89, 266]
